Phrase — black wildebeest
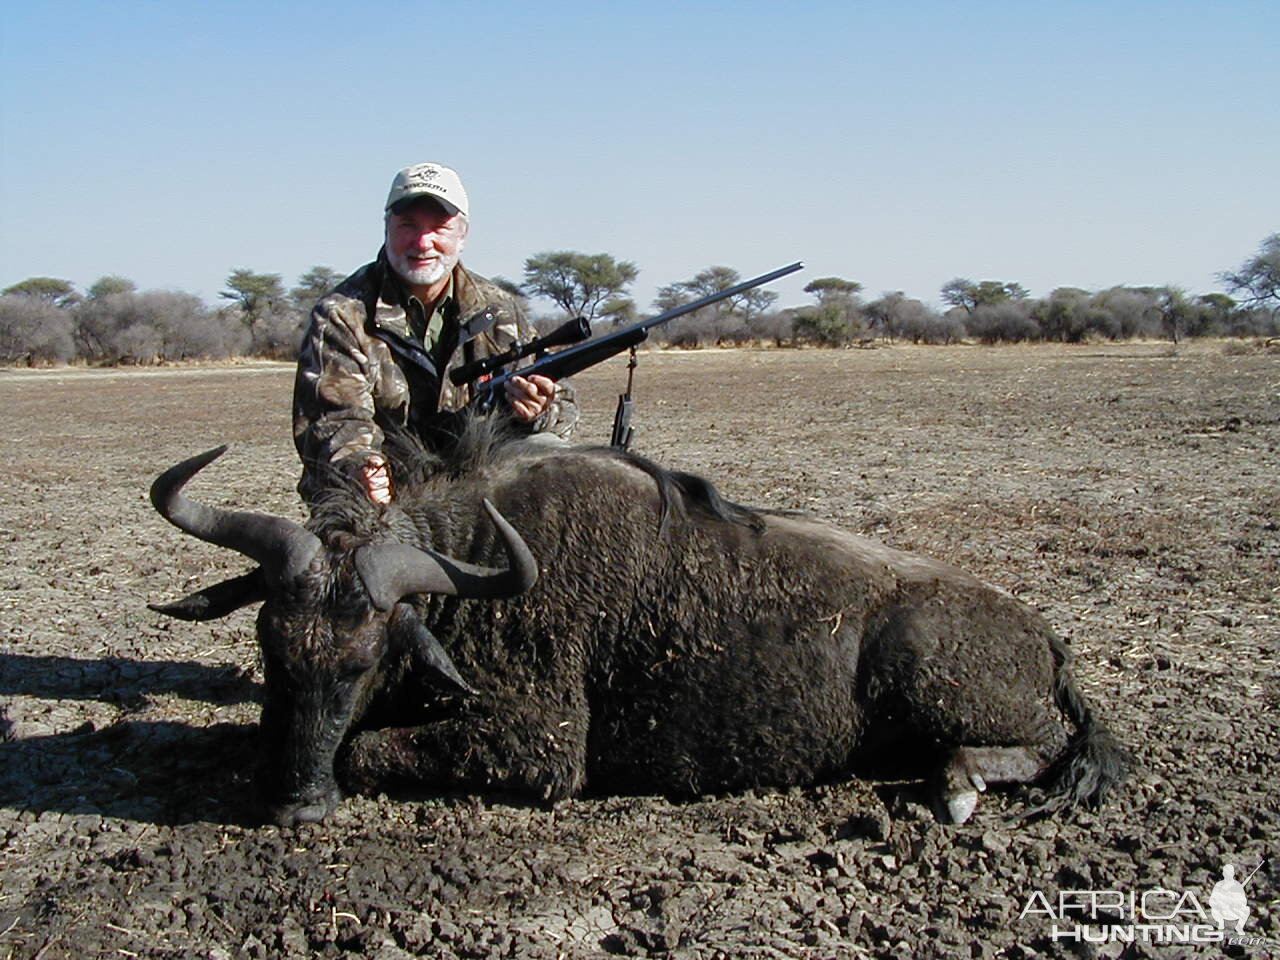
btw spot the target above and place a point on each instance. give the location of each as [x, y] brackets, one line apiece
[673, 642]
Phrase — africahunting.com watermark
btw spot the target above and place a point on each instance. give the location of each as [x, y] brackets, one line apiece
[1157, 915]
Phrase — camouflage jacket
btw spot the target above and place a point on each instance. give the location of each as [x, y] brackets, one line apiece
[361, 368]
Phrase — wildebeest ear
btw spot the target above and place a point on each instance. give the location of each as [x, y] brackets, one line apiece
[218, 600]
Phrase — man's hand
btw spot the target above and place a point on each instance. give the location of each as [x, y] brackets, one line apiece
[377, 479]
[529, 397]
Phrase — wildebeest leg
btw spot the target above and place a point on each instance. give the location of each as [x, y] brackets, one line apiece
[968, 770]
[542, 757]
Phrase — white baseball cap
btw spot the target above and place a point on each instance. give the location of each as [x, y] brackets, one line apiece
[432, 180]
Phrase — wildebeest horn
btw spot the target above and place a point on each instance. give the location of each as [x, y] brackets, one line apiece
[394, 570]
[283, 547]
[429, 653]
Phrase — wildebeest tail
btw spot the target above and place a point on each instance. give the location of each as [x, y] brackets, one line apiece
[1094, 762]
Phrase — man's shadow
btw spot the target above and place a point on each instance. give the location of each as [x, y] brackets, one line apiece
[162, 772]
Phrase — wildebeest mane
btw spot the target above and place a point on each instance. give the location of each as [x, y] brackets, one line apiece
[472, 442]
[698, 494]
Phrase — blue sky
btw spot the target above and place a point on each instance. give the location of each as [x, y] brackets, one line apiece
[897, 144]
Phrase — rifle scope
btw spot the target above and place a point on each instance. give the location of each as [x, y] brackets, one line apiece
[572, 331]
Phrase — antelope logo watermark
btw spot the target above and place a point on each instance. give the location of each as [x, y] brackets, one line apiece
[1152, 916]
[421, 177]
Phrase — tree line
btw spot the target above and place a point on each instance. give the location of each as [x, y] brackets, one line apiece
[45, 320]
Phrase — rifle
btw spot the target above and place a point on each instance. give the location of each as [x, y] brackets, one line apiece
[571, 331]
[574, 359]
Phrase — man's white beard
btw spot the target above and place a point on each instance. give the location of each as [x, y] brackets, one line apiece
[419, 273]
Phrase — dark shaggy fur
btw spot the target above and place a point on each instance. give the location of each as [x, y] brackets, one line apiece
[674, 642]
[477, 443]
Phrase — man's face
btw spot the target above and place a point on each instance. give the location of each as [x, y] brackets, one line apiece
[424, 242]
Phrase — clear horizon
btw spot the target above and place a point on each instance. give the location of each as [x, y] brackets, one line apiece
[898, 145]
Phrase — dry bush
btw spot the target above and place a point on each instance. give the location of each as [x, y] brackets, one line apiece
[149, 327]
[1009, 322]
[34, 331]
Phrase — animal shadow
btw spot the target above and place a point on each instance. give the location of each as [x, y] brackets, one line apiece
[119, 680]
[157, 771]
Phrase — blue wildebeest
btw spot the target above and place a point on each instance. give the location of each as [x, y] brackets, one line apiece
[639, 634]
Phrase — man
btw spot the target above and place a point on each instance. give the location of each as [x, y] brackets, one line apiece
[379, 349]
[1227, 902]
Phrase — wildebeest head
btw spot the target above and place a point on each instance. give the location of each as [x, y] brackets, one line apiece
[331, 615]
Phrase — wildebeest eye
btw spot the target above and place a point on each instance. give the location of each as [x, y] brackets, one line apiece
[359, 659]
[355, 670]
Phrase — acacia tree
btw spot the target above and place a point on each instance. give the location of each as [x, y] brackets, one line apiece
[620, 311]
[97, 318]
[732, 318]
[1176, 312]
[969, 296]
[509, 286]
[833, 288]
[258, 296]
[1064, 315]
[110, 285]
[313, 285]
[838, 316]
[1258, 277]
[53, 291]
[579, 283]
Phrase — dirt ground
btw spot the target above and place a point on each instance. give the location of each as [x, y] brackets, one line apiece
[1129, 492]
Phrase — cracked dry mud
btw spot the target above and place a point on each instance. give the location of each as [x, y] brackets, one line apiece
[1129, 492]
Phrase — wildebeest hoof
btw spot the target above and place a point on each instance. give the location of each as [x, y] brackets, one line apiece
[959, 784]
[960, 806]
[311, 809]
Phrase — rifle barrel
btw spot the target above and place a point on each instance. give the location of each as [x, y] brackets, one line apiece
[724, 294]
[570, 360]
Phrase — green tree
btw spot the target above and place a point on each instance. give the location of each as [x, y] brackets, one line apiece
[746, 305]
[313, 285]
[1258, 277]
[98, 318]
[1214, 314]
[833, 288]
[111, 285]
[1176, 312]
[1064, 315]
[837, 318]
[729, 319]
[969, 296]
[510, 286]
[59, 293]
[258, 296]
[579, 283]
[620, 311]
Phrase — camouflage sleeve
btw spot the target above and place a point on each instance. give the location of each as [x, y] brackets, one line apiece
[333, 403]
